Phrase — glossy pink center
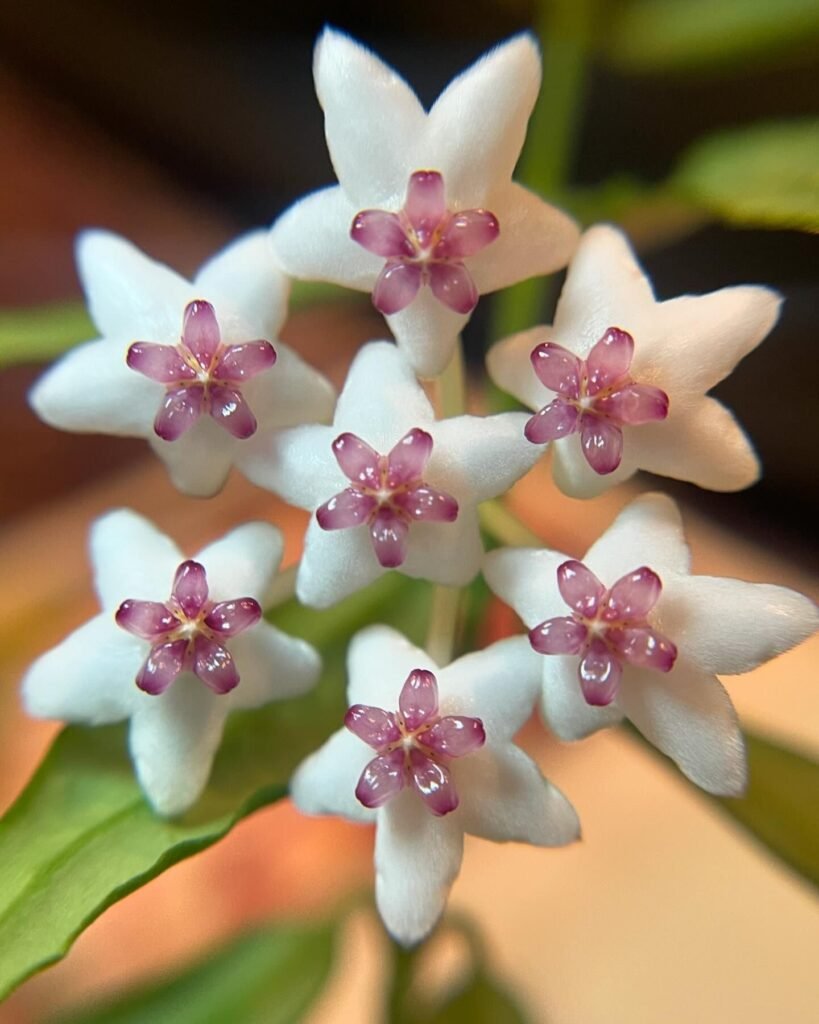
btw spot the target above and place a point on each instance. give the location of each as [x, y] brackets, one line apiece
[186, 632]
[596, 397]
[607, 628]
[202, 375]
[387, 492]
[425, 243]
[414, 746]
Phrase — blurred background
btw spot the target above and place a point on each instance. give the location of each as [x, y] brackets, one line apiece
[181, 125]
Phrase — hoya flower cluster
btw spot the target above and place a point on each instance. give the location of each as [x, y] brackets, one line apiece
[425, 217]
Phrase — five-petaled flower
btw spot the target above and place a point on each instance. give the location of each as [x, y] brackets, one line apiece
[177, 692]
[631, 375]
[201, 374]
[415, 507]
[454, 736]
[715, 626]
[427, 192]
[172, 350]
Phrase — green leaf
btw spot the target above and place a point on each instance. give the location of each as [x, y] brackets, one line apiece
[267, 977]
[480, 1001]
[42, 333]
[765, 176]
[681, 35]
[779, 808]
[81, 835]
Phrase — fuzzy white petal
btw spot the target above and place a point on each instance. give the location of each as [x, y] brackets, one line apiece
[535, 239]
[297, 464]
[312, 240]
[129, 292]
[173, 740]
[199, 462]
[504, 797]
[92, 390]
[729, 626]
[271, 666]
[89, 677]
[379, 659]
[564, 708]
[706, 446]
[243, 562]
[483, 456]
[292, 392]
[526, 579]
[499, 685]
[381, 399]
[244, 276]
[371, 117]
[604, 287]
[417, 858]
[132, 559]
[426, 332]
[491, 100]
[335, 564]
[697, 340]
[575, 477]
[647, 532]
[688, 715]
[510, 367]
[325, 782]
[447, 553]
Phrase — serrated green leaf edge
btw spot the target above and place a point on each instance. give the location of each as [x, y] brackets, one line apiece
[269, 976]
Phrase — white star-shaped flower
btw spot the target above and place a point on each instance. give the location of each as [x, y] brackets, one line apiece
[427, 754]
[194, 367]
[628, 632]
[390, 486]
[620, 380]
[178, 645]
[425, 215]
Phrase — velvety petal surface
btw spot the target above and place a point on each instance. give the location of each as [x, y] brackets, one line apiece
[325, 782]
[526, 579]
[417, 858]
[448, 553]
[297, 464]
[688, 715]
[508, 363]
[379, 659]
[729, 626]
[243, 563]
[272, 666]
[335, 565]
[564, 708]
[505, 798]
[199, 462]
[426, 332]
[173, 739]
[131, 559]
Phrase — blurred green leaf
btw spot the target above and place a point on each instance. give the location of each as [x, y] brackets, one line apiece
[764, 176]
[681, 35]
[41, 333]
[779, 808]
[480, 1001]
[268, 977]
[81, 836]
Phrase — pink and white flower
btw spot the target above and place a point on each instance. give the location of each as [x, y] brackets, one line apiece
[444, 765]
[425, 215]
[620, 380]
[194, 367]
[646, 639]
[391, 487]
[174, 666]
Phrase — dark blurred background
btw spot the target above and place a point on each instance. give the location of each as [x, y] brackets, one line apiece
[181, 124]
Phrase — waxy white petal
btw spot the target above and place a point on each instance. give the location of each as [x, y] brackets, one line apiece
[427, 332]
[127, 290]
[379, 659]
[243, 562]
[688, 715]
[272, 666]
[89, 677]
[131, 559]
[510, 367]
[417, 858]
[505, 798]
[325, 783]
[370, 114]
[729, 626]
[648, 531]
[291, 393]
[297, 464]
[447, 553]
[575, 477]
[198, 462]
[335, 564]
[173, 740]
[563, 705]
[526, 580]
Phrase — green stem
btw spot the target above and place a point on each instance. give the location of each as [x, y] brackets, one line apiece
[505, 527]
[565, 29]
